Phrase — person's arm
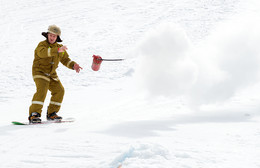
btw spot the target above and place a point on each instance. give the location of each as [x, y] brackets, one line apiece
[43, 51]
[65, 60]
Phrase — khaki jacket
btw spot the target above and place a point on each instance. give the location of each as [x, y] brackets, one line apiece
[46, 61]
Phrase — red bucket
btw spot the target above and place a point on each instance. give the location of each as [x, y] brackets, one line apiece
[97, 60]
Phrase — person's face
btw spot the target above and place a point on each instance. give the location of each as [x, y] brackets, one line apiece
[52, 38]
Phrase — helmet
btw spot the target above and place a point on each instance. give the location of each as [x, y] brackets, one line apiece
[54, 30]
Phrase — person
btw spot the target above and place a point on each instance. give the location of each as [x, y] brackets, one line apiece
[47, 56]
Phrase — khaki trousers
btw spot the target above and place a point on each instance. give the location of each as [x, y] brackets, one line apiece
[42, 87]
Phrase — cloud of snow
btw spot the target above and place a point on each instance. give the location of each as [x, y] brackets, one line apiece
[214, 71]
[165, 67]
[228, 61]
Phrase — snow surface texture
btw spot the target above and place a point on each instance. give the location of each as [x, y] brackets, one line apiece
[187, 95]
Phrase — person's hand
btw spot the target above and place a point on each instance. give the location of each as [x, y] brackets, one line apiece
[77, 68]
[62, 49]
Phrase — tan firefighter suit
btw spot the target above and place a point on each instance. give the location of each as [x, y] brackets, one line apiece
[46, 60]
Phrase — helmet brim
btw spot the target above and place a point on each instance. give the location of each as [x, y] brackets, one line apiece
[45, 34]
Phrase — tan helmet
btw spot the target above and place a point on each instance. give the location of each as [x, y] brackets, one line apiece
[54, 30]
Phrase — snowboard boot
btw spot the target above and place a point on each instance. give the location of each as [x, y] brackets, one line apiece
[54, 116]
[34, 118]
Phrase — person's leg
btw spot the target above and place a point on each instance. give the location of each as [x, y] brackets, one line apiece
[57, 93]
[42, 87]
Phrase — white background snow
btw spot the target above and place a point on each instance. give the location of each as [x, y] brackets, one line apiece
[186, 96]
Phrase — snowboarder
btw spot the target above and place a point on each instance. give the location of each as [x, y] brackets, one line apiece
[47, 56]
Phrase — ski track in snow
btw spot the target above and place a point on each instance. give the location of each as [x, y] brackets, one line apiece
[115, 124]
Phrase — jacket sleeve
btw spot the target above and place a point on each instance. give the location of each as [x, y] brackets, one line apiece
[44, 51]
[65, 60]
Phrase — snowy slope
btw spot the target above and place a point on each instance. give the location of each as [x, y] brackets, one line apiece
[187, 94]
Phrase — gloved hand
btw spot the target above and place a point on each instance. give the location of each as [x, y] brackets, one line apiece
[62, 49]
[77, 68]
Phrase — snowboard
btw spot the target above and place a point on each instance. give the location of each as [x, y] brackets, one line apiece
[43, 122]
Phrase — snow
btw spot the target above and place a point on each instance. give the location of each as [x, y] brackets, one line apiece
[186, 95]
